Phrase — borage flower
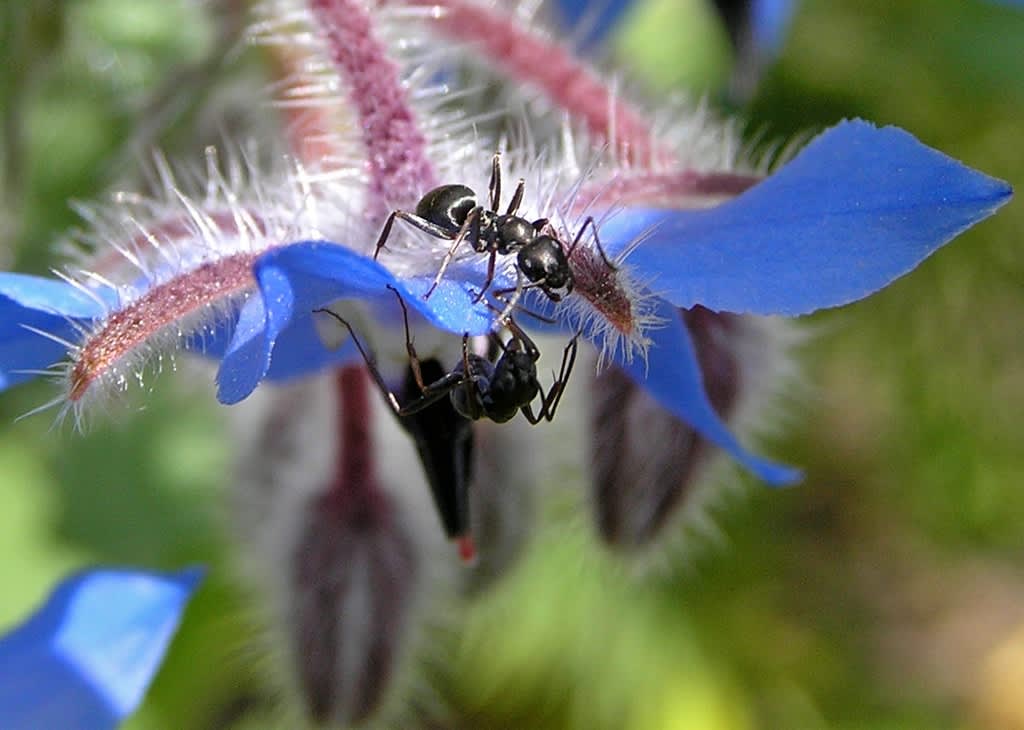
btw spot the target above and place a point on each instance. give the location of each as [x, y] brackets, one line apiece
[859, 207]
[238, 271]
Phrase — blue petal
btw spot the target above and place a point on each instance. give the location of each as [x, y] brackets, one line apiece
[299, 350]
[47, 305]
[671, 374]
[757, 28]
[594, 18]
[769, 20]
[244, 363]
[294, 280]
[85, 659]
[859, 207]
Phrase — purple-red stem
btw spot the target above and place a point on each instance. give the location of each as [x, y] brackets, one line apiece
[530, 58]
[396, 147]
[355, 487]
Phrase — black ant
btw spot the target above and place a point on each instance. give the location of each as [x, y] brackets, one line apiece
[477, 387]
[452, 212]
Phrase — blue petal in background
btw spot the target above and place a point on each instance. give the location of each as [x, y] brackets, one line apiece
[591, 20]
[756, 28]
[859, 207]
[769, 20]
[48, 305]
[85, 659]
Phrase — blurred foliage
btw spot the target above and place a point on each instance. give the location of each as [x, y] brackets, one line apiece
[885, 592]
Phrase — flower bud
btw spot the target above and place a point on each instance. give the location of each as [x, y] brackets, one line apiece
[338, 551]
[647, 462]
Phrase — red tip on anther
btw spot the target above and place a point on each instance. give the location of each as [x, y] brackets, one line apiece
[467, 549]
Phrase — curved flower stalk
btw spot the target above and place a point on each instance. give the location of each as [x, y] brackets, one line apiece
[86, 658]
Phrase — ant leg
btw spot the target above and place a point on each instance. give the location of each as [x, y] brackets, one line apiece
[475, 409]
[490, 276]
[495, 185]
[431, 393]
[371, 363]
[597, 242]
[414, 220]
[513, 302]
[434, 392]
[384, 233]
[519, 307]
[568, 361]
[414, 360]
[529, 347]
[471, 230]
[550, 401]
[517, 199]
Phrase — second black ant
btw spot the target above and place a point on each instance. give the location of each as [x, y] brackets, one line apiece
[479, 388]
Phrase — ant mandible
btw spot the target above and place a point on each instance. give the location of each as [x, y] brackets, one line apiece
[451, 212]
[477, 387]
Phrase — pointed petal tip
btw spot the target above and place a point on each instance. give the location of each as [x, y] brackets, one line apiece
[778, 475]
[1003, 192]
[229, 395]
[975, 184]
[189, 578]
[857, 208]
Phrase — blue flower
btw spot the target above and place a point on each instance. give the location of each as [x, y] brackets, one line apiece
[756, 26]
[859, 207]
[592, 21]
[85, 659]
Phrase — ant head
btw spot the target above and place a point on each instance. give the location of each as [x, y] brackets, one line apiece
[447, 206]
[544, 263]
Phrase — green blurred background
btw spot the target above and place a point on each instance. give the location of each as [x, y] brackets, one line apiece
[885, 592]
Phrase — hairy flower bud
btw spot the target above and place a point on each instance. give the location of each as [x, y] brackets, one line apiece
[338, 551]
[648, 465]
[353, 577]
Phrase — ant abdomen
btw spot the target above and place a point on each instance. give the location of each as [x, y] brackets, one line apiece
[447, 206]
